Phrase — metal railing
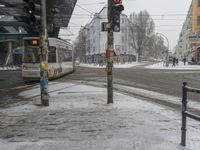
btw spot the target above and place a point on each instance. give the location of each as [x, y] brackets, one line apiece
[185, 113]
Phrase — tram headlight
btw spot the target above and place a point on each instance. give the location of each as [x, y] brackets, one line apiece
[24, 67]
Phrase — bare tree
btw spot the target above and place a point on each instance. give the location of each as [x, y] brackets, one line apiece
[80, 45]
[142, 26]
[160, 48]
[155, 47]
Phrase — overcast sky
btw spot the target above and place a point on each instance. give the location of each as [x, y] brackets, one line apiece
[168, 15]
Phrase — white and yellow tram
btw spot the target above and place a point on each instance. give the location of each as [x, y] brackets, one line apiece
[60, 58]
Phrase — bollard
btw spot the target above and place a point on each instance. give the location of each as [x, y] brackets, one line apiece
[184, 109]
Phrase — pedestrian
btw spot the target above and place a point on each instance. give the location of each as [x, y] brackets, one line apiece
[173, 62]
[184, 61]
[177, 61]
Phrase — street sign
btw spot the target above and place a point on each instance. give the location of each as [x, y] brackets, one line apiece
[194, 39]
[18, 51]
[194, 36]
[104, 26]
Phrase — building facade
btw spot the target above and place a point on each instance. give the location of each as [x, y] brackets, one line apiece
[188, 45]
[96, 40]
[183, 46]
[195, 43]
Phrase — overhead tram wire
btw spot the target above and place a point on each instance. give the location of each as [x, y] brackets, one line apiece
[157, 27]
[85, 16]
[88, 16]
[84, 9]
[67, 34]
[74, 23]
[101, 3]
[158, 15]
[92, 3]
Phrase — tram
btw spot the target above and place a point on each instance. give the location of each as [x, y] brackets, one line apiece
[60, 58]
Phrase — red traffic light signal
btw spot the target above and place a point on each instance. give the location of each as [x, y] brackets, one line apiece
[117, 1]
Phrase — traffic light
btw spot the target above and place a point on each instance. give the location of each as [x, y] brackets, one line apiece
[117, 8]
[32, 10]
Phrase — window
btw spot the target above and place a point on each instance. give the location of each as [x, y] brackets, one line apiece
[66, 55]
[198, 20]
[122, 48]
[59, 54]
[52, 54]
[122, 39]
[122, 20]
[122, 29]
[31, 54]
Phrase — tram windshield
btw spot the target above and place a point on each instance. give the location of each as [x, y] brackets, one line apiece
[31, 52]
[31, 55]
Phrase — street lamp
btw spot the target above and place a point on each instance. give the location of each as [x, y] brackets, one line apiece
[167, 52]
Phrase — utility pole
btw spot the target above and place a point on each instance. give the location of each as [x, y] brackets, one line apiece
[44, 57]
[109, 54]
[115, 8]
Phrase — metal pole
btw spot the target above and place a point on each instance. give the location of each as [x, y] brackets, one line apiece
[109, 55]
[184, 109]
[44, 57]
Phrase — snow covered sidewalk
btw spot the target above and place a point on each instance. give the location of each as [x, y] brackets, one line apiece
[125, 65]
[180, 66]
[78, 118]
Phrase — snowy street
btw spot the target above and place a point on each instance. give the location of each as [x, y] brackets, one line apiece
[99, 75]
[79, 118]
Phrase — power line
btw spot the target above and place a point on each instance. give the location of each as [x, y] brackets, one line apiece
[159, 15]
[125, 1]
[84, 9]
[169, 30]
[92, 3]
[74, 23]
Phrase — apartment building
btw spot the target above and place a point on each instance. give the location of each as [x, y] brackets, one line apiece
[96, 40]
[189, 42]
[195, 43]
[183, 47]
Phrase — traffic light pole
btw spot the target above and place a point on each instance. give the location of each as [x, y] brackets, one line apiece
[109, 55]
[44, 57]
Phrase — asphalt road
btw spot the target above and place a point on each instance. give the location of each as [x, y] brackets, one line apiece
[162, 81]
[11, 84]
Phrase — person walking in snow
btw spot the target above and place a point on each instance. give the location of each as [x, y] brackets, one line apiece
[184, 61]
[177, 61]
[173, 62]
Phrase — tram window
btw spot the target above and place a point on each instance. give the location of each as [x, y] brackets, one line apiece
[67, 55]
[31, 55]
[52, 54]
[59, 55]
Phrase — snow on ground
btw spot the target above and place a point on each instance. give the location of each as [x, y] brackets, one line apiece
[78, 118]
[125, 65]
[159, 65]
[180, 66]
[161, 97]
